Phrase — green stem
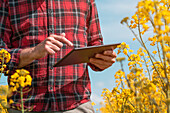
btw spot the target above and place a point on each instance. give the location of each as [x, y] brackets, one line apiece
[168, 105]
[143, 44]
[2, 65]
[147, 68]
[121, 64]
[22, 103]
[159, 53]
[110, 105]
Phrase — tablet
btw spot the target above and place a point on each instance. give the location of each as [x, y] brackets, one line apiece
[82, 55]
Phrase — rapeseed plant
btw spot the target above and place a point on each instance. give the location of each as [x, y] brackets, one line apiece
[146, 88]
[18, 81]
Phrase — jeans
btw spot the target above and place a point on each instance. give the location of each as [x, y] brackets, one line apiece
[83, 108]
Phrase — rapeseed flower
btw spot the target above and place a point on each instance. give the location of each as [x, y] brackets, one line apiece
[20, 79]
[4, 55]
[146, 88]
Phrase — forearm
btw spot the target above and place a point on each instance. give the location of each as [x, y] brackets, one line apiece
[27, 56]
[50, 45]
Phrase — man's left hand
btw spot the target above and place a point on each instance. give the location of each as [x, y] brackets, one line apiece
[104, 60]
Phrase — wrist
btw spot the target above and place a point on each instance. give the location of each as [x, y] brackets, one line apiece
[38, 52]
[33, 53]
[26, 57]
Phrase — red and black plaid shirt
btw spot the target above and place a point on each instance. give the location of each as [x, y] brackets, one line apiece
[26, 23]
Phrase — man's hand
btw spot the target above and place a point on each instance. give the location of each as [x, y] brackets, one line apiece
[104, 60]
[51, 45]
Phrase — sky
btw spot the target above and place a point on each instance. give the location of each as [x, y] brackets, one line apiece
[111, 12]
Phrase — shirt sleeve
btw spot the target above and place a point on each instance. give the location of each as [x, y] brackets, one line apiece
[5, 36]
[94, 36]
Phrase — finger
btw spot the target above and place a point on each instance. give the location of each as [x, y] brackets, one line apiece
[105, 58]
[63, 34]
[62, 39]
[100, 63]
[55, 42]
[96, 64]
[51, 48]
[110, 53]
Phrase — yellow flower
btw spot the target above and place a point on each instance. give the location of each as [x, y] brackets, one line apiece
[168, 55]
[4, 66]
[119, 59]
[124, 45]
[28, 80]
[131, 51]
[124, 20]
[166, 48]
[150, 39]
[13, 89]
[12, 84]
[22, 72]
[135, 18]
[166, 28]
[142, 32]
[118, 51]
[152, 44]
[167, 38]
[145, 27]
[140, 92]
[11, 101]
[154, 52]
[6, 55]
[15, 75]
[134, 26]
[93, 104]
[125, 51]
[142, 54]
[21, 81]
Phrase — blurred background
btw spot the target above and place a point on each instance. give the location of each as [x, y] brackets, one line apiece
[111, 12]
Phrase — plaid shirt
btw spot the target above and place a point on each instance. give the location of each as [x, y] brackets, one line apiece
[26, 23]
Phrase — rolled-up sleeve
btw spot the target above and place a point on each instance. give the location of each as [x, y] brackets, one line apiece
[6, 35]
[93, 26]
[93, 30]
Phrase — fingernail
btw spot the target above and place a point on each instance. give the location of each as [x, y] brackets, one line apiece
[71, 44]
[63, 34]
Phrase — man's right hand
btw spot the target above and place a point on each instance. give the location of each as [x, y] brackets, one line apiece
[50, 45]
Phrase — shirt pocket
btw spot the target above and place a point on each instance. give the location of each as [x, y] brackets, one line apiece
[27, 22]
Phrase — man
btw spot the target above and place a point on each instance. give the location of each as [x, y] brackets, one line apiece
[38, 33]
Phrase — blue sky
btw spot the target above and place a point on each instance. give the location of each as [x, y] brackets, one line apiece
[111, 12]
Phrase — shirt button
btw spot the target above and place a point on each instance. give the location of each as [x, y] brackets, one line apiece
[49, 11]
[51, 30]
